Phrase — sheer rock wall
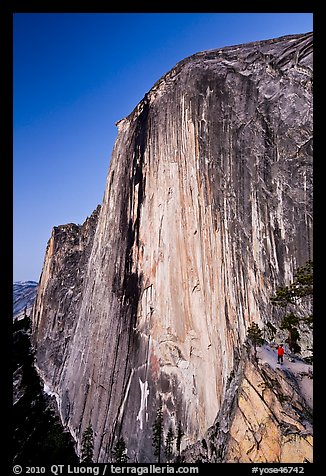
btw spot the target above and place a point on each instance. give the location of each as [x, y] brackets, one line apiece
[207, 208]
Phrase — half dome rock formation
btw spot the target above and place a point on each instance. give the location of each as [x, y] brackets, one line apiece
[207, 209]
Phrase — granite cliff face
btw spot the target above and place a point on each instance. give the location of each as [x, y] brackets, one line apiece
[59, 294]
[266, 415]
[207, 208]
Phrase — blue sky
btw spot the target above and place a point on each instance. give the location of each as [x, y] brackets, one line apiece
[77, 74]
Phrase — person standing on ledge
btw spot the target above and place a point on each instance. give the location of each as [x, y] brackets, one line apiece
[280, 353]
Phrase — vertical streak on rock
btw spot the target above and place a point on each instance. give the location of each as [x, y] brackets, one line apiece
[207, 208]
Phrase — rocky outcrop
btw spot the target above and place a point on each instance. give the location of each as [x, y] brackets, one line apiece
[59, 294]
[272, 421]
[266, 415]
[207, 209]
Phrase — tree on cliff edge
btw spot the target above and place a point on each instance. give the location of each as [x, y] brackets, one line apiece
[255, 336]
[87, 446]
[301, 287]
[285, 296]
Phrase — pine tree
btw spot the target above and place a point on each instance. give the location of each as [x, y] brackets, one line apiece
[303, 280]
[157, 433]
[180, 434]
[169, 444]
[255, 336]
[301, 287]
[120, 451]
[289, 322]
[87, 446]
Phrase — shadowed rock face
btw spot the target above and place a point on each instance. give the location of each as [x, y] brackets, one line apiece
[37, 433]
[207, 208]
[59, 294]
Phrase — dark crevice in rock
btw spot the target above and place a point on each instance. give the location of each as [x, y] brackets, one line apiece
[232, 127]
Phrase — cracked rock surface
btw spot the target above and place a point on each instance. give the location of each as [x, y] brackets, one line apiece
[207, 208]
[266, 416]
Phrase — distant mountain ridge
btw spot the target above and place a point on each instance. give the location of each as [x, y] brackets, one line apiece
[24, 293]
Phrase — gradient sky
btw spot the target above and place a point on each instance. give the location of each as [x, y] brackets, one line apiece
[77, 74]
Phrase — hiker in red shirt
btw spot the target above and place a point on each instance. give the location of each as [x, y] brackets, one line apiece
[280, 353]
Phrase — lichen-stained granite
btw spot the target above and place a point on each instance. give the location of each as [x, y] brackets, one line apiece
[207, 208]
